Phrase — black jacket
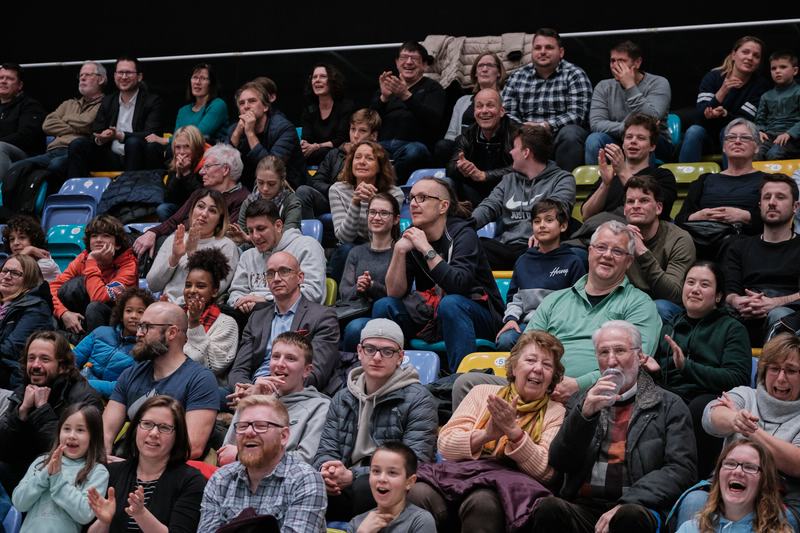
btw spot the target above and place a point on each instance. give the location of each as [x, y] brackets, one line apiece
[328, 171]
[417, 119]
[492, 157]
[147, 117]
[21, 124]
[27, 313]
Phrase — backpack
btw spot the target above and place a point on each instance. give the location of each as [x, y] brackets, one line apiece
[20, 190]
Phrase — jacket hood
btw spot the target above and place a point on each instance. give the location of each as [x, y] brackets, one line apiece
[402, 377]
[34, 296]
[288, 237]
[308, 393]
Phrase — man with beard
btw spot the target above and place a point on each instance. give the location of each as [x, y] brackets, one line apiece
[762, 271]
[266, 479]
[162, 368]
[51, 384]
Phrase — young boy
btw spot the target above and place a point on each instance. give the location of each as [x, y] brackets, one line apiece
[778, 117]
[392, 473]
[540, 270]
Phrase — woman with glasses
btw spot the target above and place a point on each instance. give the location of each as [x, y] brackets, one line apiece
[326, 118]
[365, 270]
[730, 91]
[153, 490]
[367, 171]
[768, 415]
[745, 495]
[702, 353]
[25, 307]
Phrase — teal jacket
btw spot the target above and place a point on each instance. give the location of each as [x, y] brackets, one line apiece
[53, 503]
[716, 350]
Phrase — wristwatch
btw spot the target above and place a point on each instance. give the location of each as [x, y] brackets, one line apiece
[430, 254]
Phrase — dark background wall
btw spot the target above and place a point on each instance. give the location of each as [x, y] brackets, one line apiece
[46, 33]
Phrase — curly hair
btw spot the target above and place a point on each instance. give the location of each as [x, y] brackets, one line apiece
[384, 179]
[122, 301]
[210, 260]
[109, 225]
[27, 226]
[335, 82]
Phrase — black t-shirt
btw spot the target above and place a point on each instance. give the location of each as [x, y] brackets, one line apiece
[752, 263]
[615, 200]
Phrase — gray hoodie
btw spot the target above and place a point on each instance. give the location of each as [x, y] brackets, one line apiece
[511, 200]
[356, 384]
[251, 271]
[307, 411]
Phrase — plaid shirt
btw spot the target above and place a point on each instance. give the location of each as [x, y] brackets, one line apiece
[560, 100]
[293, 493]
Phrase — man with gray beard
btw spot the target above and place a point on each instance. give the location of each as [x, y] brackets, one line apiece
[163, 368]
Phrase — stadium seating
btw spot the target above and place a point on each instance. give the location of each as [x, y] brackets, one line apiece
[312, 228]
[331, 292]
[65, 242]
[787, 166]
[482, 360]
[426, 363]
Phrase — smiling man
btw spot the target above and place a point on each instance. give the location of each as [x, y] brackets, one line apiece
[762, 271]
[265, 479]
[20, 119]
[51, 384]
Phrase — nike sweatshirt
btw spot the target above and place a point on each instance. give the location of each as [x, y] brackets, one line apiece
[511, 200]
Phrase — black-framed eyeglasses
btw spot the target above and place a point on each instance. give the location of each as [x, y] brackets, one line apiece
[145, 326]
[16, 274]
[372, 213]
[421, 198]
[283, 272]
[259, 426]
[773, 370]
[386, 352]
[148, 425]
[747, 468]
[124, 73]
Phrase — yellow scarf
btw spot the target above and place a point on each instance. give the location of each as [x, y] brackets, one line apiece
[531, 421]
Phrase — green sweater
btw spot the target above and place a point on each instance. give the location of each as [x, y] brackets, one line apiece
[569, 316]
[717, 352]
[660, 270]
[779, 111]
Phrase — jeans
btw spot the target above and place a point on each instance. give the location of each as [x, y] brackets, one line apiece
[667, 310]
[696, 141]
[312, 202]
[462, 321]
[598, 139]
[509, 338]
[54, 160]
[9, 154]
[338, 260]
[351, 335]
[407, 156]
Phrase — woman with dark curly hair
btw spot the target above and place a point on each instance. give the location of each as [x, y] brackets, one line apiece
[24, 235]
[212, 337]
[105, 352]
[326, 118]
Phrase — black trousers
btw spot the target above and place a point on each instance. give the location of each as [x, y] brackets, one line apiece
[555, 514]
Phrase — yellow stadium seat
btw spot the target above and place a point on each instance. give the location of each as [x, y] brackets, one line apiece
[787, 166]
[331, 288]
[105, 174]
[482, 360]
[586, 175]
[686, 173]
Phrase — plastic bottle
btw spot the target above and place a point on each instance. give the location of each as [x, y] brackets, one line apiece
[86, 371]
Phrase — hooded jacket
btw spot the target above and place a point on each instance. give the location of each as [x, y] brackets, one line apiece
[251, 270]
[511, 200]
[109, 352]
[358, 422]
[32, 311]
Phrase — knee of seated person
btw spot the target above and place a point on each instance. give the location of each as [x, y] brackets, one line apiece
[627, 515]
[548, 507]
[415, 150]
[452, 305]
[132, 141]
[384, 308]
[694, 132]
[80, 143]
[571, 133]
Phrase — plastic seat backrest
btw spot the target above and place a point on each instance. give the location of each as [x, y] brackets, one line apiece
[787, 166]
[12, 523]
[488, 231]
[93, 187]
[421, 173]
[686, 173]
[312, 228]
[482, 360]
[405, 223]
[426, 363]
[674, 128]
[331, 290]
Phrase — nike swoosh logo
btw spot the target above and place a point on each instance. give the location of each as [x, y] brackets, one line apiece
[513, 205]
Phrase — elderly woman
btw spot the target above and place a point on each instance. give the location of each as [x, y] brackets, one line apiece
[500, 434]
[768, 415]
[153, 489]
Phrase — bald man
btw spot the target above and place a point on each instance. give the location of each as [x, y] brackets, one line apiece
[162, 368]
[289, 311]
[481, 156]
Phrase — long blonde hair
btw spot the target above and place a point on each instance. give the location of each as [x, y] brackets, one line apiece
[727, 66]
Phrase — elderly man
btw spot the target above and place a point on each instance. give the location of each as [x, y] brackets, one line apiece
[626, 447]
[163, 368]
[573, 314]
[482, 153]
[221, 171]
[265, 479]
[52, 383]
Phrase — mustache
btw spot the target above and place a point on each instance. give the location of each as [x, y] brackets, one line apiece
[149, 350]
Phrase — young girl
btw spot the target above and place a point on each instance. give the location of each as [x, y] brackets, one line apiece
[745, 495]
[54, 491]
[366, 266]
[105, 352]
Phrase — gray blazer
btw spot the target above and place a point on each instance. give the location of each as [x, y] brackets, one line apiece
[317, 321]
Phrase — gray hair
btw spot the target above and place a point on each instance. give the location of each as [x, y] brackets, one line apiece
[617, 228]
[747, 124]
[228, 156]
[633, 332]
[99, 68]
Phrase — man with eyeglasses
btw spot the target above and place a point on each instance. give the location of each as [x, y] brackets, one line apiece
[119, 129]
[383, 401]
[250, 286]
[626, 447]
[762, 271]
[162, 368]
[533, 177]
[265, 481]
[72, 119]
[289, 310]
[573, 314]
[20, 119]
[411, 107]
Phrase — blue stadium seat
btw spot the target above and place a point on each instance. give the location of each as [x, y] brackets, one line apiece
[65, 242]
[141, 227]
[68, 209]
[311, 228]
[420, 173]
[674, 128]
[426, 363]
[488, 231]
[93, 187]
[405, 223]
[12, 523]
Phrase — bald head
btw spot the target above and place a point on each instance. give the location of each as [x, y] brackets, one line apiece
[168, 313]
[285, 259]
[488, 110]
[284, 278]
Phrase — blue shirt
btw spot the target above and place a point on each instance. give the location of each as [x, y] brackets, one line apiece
[281, 323]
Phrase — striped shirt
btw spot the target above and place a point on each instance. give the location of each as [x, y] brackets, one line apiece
[560, 100]
[149, 488]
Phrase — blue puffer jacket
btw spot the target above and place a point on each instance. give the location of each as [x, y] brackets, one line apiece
[109, 352]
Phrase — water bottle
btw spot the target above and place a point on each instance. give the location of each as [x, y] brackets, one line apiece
[86, 371]
[617, 377]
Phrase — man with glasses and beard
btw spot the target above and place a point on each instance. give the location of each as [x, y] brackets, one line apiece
[30, 423]
[265, 481]
[163, 368]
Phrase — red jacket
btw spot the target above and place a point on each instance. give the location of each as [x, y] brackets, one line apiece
[103, 285]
